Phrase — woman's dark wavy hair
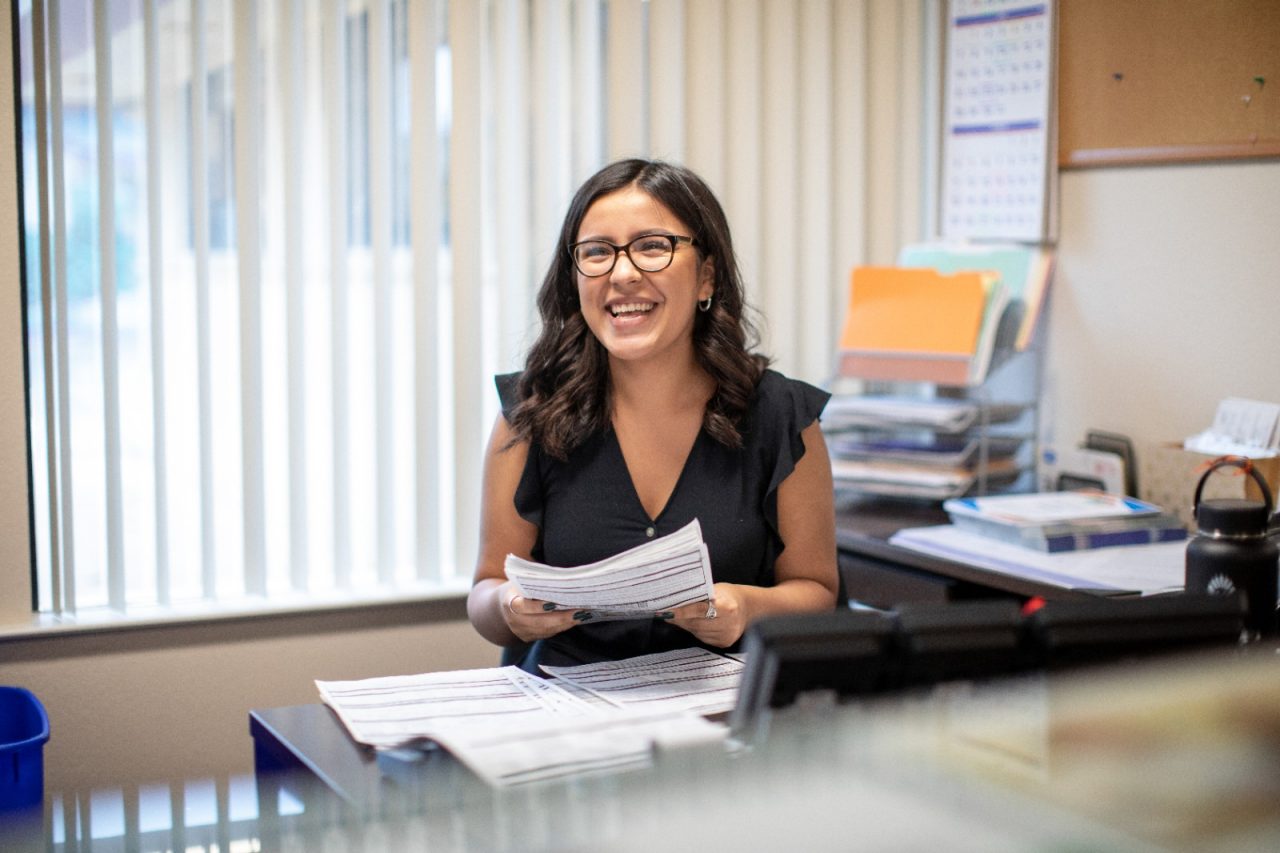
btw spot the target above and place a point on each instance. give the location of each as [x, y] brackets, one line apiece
[564, 393]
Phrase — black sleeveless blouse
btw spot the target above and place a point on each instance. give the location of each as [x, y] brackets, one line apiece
[586, 509]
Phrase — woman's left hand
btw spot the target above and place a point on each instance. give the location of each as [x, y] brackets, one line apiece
[719, 622]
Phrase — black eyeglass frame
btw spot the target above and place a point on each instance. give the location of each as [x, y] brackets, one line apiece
[676, 240]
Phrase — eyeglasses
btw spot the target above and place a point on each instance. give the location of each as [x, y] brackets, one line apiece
[647, 253]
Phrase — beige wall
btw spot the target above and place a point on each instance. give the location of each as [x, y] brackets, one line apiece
[1166, 299]
[149, 705]
[15, 598]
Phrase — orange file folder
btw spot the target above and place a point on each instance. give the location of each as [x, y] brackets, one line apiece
[905, 323]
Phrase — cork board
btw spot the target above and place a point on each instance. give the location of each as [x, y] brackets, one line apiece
[1167, 81]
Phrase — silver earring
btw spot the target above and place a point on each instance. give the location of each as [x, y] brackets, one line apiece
[704, 305]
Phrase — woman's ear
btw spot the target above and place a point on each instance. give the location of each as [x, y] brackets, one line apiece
[706, 279]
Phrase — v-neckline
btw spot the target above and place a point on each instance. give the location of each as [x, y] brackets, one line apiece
[631, 483]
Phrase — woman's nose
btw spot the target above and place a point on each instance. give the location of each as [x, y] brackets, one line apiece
[623, 270]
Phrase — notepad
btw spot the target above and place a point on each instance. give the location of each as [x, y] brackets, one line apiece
[914, 324]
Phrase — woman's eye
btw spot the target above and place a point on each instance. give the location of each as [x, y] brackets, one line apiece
[652, 245]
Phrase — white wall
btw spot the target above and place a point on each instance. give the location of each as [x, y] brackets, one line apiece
[1166, 298]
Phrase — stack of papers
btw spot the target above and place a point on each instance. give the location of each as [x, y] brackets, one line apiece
[537, 750]
[1066, 521]
[689, 679]
[934, 482]
[1145, 569]
[510, 727]
[930, 449]
[399, 709]
[944, 415]
[921, 448]
[666, 573]
[1240, 428]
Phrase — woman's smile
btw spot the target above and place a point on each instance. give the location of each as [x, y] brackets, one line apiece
[631, 313]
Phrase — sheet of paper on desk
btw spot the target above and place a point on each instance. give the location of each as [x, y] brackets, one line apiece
[394, 710]
[663, 574]
[538, 748]
[1146, 569]
[685, 679]
[511, 727]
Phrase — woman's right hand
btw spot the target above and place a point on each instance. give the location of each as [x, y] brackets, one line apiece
[531, 619]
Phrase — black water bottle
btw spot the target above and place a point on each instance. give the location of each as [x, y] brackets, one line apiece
[1231, 549]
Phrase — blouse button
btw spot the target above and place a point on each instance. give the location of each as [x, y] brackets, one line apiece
[648, 531]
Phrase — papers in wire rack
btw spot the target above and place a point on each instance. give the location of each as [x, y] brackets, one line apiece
[666, 573]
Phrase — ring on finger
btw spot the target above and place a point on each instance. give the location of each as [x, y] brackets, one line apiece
[711, 610]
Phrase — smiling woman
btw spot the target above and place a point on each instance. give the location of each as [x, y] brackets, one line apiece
[642, 406]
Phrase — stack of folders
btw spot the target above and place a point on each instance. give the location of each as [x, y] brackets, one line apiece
[1066, 521]
[930, 449]
[944, 312]
[1024, 272]
[917, 324]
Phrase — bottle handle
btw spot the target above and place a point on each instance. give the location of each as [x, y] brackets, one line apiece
[1245, 464]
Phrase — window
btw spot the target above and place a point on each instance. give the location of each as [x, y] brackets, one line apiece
[221, 287]
[262, 320]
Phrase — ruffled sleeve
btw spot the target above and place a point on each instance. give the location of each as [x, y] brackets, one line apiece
[528, 497]
[507, 383]
[786, 407]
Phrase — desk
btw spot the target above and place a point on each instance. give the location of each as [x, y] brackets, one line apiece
[884, 575]
[1176, 754]
[816, 784]
[307, 744]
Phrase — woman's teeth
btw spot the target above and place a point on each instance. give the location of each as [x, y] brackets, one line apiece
[619, 310]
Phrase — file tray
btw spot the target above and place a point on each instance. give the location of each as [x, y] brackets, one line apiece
[24, 730]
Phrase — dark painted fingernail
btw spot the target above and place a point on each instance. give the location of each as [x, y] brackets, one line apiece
[666, 614]
[547, 605]
[583, 615]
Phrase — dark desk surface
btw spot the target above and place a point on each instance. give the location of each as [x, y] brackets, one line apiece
[884, 575]
[311, 739]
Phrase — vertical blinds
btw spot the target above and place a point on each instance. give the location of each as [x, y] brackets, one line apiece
[284, 245]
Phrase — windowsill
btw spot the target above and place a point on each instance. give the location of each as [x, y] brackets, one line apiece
[99, 620]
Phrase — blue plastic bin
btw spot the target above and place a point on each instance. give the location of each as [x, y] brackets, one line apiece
[24, 729]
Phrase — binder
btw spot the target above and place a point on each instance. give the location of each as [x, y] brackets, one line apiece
[916, 324]
[1066, 521]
